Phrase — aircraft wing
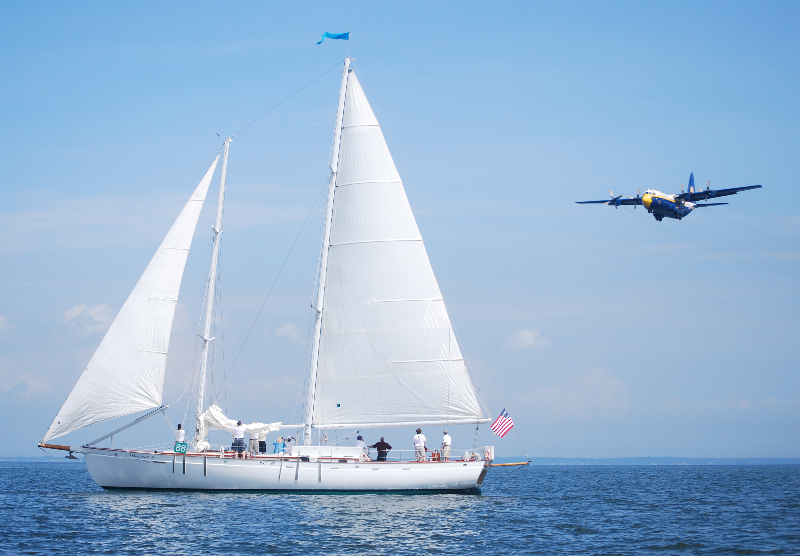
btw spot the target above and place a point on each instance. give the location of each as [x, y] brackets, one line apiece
[708, 204]
[613, 202]
[713, 193]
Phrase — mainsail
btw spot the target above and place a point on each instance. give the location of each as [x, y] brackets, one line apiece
[126, 373]
[387, 351]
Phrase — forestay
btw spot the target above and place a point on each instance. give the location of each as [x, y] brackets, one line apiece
[388, 354]
[126, 373]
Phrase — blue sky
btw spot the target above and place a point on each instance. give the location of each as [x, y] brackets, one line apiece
[604, 332]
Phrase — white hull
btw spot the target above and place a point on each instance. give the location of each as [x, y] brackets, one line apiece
[162, 470]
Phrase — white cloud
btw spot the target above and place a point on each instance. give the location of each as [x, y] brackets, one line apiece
[590, 394]
[288, 330]
[89, 319]
[16, 375]
[527, 339]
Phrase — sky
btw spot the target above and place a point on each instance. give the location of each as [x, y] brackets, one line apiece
[603, 332]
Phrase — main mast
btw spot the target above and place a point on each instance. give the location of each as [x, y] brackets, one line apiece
[212, 278]
[323, 260]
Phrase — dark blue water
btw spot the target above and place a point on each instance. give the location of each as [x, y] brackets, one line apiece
[57, 509]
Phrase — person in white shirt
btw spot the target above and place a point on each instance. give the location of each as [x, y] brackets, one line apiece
[290, 441]
[262, 442]
[361, 444]
[180, 434]
[238, 440]
[446, 443]
[419, 445]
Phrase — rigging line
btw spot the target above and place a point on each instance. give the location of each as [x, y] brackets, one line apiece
[214, 317]
[51, 455]
[312, 315]
[171, 426]
[305, 367]
[472, 331]
[288, 276]
[287, 98]
[219, 315]
[294, 244]
[195, 369]
[195, 362]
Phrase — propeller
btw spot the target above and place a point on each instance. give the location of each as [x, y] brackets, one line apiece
[638, 198]
[614, 200]
[708, 187]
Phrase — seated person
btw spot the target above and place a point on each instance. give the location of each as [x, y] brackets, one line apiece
[278, 447]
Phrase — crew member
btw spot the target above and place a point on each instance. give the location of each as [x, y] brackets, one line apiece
[252, 444]
[361, 444]
[180, 434]
[446, 443]
[419, 445]
[238, 440]
[383, 449]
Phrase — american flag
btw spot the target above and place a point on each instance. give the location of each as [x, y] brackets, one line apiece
[502, 424]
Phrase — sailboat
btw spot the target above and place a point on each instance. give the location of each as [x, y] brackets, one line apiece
[384, 353]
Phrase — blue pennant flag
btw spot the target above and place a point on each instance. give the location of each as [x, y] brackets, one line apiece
[342, 36]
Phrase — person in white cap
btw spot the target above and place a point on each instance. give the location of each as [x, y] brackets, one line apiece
[446, 443]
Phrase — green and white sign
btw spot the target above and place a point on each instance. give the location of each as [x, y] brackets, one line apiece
[180, 447]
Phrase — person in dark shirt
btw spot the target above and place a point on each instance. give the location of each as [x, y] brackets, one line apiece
[383, 449]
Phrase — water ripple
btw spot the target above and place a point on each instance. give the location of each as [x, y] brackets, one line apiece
[51, 508]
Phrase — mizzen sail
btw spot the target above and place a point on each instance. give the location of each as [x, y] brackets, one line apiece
[387, 351]
[126, 373]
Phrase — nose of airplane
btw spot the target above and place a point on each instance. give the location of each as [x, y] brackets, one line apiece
[646, 200]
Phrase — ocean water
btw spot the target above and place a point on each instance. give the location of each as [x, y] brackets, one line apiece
[55, 508]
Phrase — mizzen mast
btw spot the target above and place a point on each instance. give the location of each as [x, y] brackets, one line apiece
[212, 278]
[323, 260]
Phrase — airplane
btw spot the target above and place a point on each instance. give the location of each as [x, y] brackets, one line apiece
[676, 206]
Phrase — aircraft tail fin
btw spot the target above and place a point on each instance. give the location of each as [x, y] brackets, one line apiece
[691, 183]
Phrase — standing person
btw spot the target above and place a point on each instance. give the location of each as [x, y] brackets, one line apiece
[262, 442]
[252, 444]
[419, 445]
[290, 441]
[361, 444]
[278, 447]
[180, 434]
[383, 449]
[238, 440]
[446, 443]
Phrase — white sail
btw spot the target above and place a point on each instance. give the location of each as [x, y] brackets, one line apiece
[126, 373]
[387, 352]
[214, 418]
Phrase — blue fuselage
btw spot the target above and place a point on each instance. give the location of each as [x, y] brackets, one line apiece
[662, 206]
